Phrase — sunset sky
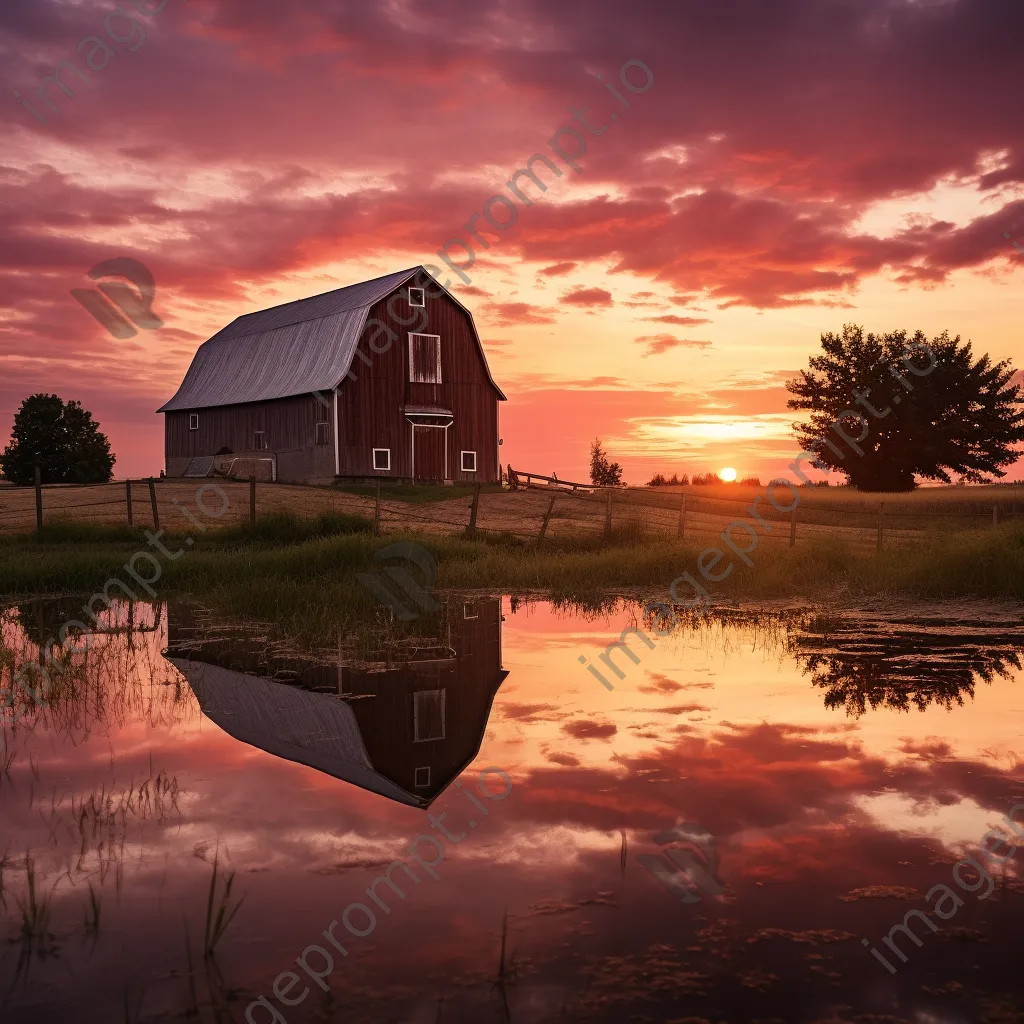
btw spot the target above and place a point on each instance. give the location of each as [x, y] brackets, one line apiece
[795, 165]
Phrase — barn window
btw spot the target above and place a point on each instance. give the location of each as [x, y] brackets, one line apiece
[259, 440]
[421, 778]
[469, 610]
[424, 359]
[428, 715]
[416, 297]
[323, 432]
[469, 462]
[382, 458]
[193, 421]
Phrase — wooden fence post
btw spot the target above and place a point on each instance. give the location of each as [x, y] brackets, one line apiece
[547, 517]
[376, 513]
[252, 497]
[792, 529]
[682, 518]
[128, 500]
[152, 502]
[39, 497]
[473, 511]
[881, 517]
[608, 515]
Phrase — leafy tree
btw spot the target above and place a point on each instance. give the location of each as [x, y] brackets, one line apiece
[602, 472]
[887, 408]
[62, 438]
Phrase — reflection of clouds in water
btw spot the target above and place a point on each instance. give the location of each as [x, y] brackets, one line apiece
[807, 806]
[955, 826]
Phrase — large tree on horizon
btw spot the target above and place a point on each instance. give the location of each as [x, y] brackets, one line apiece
[929, 408]
[62, 438]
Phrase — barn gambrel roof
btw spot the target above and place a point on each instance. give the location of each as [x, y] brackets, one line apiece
[292, 349]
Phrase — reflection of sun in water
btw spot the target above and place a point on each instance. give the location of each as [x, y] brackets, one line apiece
[728, 474]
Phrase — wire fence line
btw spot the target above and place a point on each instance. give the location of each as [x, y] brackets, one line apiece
[538, 513]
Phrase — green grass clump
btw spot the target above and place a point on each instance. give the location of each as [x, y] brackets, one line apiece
[281, 528]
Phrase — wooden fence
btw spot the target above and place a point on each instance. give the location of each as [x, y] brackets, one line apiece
[543, 510]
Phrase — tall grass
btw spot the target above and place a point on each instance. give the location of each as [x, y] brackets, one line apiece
[309, 585]
[34, 908]
[219, 911]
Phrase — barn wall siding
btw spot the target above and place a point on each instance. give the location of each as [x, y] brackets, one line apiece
[289, 429]
[370, 406]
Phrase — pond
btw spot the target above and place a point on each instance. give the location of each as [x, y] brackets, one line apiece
[741, 822]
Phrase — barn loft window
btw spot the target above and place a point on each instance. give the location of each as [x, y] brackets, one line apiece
[469, 610]
[323, 432]
[424, 359]
[193, 421]
[416, 297]
[382, 458]
[259, 440]
[469, 462]
[428, 715]
[421, 778]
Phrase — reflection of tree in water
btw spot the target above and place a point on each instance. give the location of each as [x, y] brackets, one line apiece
[863, 662]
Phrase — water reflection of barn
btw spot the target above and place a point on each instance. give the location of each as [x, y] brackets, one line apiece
[403, 727]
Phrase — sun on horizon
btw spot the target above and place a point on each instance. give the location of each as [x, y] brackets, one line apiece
[728, 474]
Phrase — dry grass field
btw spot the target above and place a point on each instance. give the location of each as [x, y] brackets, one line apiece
[821, 512]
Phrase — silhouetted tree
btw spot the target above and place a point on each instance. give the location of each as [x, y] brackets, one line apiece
[907, 407]
[62, 438]
[602, 472]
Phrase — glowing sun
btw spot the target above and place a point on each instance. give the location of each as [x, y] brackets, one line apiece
[728, 474]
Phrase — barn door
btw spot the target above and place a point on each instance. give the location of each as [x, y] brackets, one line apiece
[428, 452]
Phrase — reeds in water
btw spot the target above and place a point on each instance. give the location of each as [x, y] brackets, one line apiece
[219, 911]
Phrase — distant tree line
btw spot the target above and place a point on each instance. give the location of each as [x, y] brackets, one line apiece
[697, 480]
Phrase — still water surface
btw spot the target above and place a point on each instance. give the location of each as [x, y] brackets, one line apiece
[711, 840]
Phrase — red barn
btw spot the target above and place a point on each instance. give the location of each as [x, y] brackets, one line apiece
[383, 379]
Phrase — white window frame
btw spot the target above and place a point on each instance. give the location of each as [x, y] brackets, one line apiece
[470, 610]
[437, 338]
[193, 421]
[423, 297]
[417, 784]
[326, 426]
[462, 462]
[382, 469]
[416, 720]
[259, 439]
